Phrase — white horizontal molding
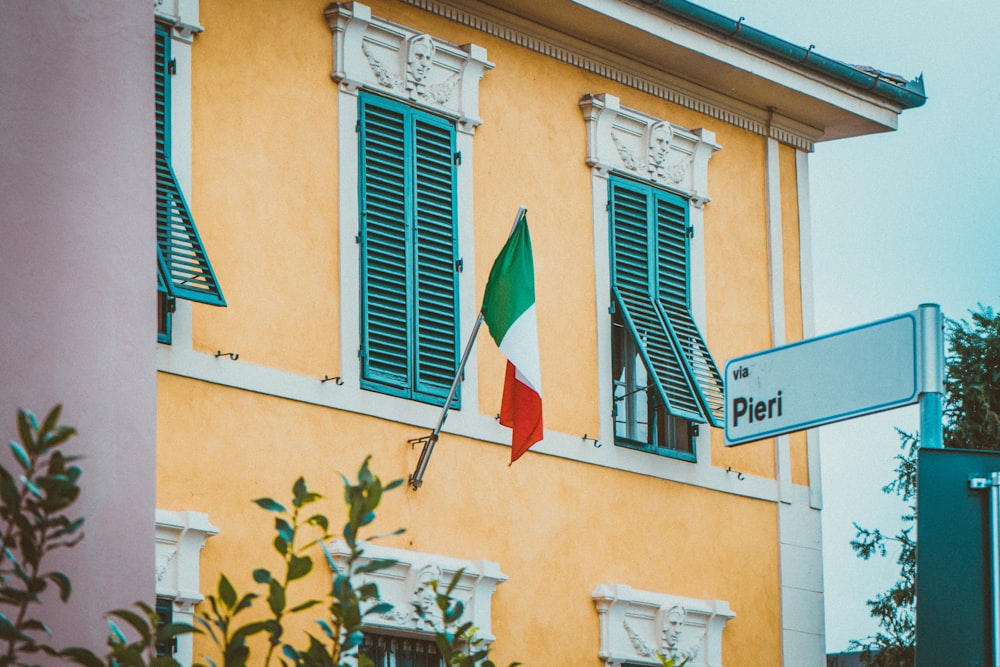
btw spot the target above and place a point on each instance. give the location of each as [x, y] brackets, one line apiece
[180, 537]
[652, 149]
[468, 422]
[636, 626]
[375, 54]
[407, 585]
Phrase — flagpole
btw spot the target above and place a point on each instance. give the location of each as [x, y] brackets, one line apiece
[417, 477]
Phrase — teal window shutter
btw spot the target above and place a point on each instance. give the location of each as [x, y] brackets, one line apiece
[184, 268]
[650, 290]
[409, 288]
[673, 298]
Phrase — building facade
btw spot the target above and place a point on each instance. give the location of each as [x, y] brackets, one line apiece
[333, 184]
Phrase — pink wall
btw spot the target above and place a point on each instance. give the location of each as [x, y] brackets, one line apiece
[77, 281]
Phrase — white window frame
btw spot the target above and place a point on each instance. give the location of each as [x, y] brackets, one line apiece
[373, 54]
[183, 18]
[617, 141]
[180, 537]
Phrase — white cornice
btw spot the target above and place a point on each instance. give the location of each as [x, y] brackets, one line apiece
[375, 54]
[616, 68]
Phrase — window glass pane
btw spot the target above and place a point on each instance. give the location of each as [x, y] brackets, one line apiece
[389, 651]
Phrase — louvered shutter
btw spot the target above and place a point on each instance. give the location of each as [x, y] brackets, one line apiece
[632, 239]
[409, 300]
[671, 218]
[436, 294]
[385, 283]
[185, 271]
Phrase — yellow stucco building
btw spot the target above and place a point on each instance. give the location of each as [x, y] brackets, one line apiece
[352, 171]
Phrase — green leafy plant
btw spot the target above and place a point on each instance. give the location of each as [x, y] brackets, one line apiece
[138, 652]
[35, 499]
[457, 643]
[299, 536]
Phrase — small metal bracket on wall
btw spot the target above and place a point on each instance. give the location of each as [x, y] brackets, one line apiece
[231, 355]
[336, 379]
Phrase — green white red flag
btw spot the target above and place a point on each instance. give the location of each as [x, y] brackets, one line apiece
[509, 313]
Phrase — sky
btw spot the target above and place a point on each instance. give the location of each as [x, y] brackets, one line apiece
[898, 219]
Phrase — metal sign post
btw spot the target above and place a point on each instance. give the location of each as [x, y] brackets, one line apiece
[992, 483]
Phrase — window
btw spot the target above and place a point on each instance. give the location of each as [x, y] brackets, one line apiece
[665, 381]
[165, 613]
[409, 264]
[183, 267]
[389, 651]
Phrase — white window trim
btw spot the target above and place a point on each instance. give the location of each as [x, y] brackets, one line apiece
[183, 17]
[180, 537]
[632, 624]
[404, 585]
[618, 142]
[371, 54]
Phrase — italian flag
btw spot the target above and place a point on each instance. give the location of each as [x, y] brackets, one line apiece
[509, 312]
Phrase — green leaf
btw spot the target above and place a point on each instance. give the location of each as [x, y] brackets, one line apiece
[299, 566]
[25, 424]
[117, 636]
[82, 656]
[28, 484]
[284, 530]
[62, 581]
[271, 505]
[276, 598]
[227, 594]
[375, 566]
[321, 521]
[261, 576]
[245, 602]
[20, 454]
[280, 545]
[305, 605]
[140, 624]
[51, 419]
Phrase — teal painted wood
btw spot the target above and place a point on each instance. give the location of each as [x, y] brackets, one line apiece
[670, 214]
[408, 232]
[633, 286]
[184, 267]
[651, 274]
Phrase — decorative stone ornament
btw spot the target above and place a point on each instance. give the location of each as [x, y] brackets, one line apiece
[636, 626]
[374, 54]
[407, 586]
[631, 142]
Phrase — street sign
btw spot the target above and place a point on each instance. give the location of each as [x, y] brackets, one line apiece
[858, 371]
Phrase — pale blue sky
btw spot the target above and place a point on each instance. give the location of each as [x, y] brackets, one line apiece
[898, 219]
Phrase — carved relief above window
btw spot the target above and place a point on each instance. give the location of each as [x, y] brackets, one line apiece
[374, 54]
[407, 586]
[637, 626]
[655, 150]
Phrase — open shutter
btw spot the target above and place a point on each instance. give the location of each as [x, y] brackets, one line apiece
[385, 285]
[185, 271]
[632, 291]
[436, 294]
[671, 217]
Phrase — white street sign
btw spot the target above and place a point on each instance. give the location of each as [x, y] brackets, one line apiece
[822, 380]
